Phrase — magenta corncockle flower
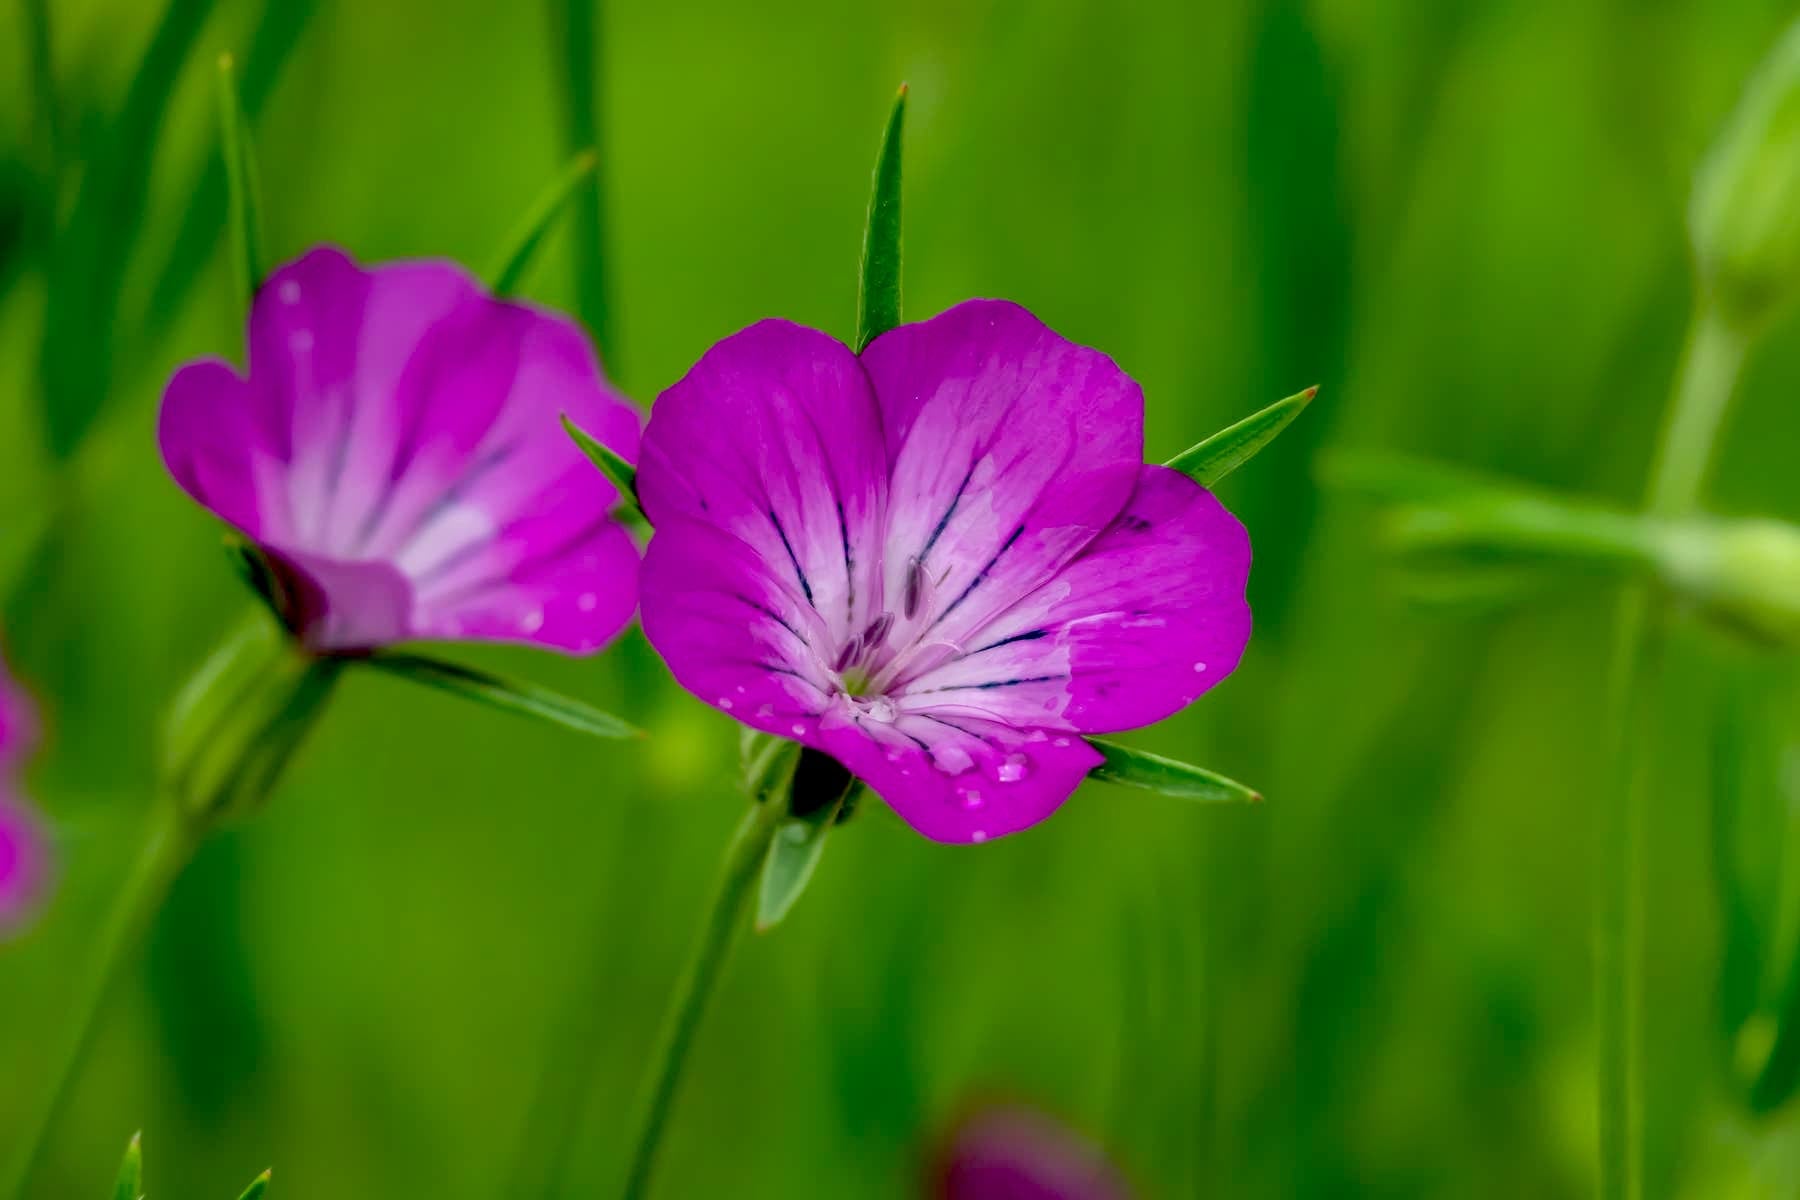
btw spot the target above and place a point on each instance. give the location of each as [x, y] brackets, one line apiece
[24, 861]
[1017, 1154]
[940, 564]
[394, 449]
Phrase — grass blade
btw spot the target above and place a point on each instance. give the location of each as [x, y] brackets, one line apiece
[512, 696]
[1130, 767]
[622, 474]
[257, 1187]
[1229, 449]
[243, 191]
[878, 296]
[522, 246]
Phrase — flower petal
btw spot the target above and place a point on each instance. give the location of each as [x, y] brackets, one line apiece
[734, 628]
[1011, 448]
[1134, 628]
[774, 437]
[957, 779]
[18, 722]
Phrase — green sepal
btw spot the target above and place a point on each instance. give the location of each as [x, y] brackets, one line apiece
[1135, 768]
[878, 294]
[510, 695]
[817, 798]
[522, 246]
[236, 724]
[1229, 449]
[131, 1171]
[621, 473]
[242, 189]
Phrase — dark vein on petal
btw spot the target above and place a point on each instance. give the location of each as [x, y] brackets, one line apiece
[805, 585]
[980, 577]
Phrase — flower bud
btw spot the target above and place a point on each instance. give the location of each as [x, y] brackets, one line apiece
[1744, 574]
[1745, 214]
[240, 719]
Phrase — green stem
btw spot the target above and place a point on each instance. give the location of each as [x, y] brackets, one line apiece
[169, 842]
[743, 859]
[1710, 366]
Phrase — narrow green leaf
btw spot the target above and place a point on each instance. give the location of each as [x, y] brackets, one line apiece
[257, 1187]
[878, 299]
[90, 258]
[243, 192]
[622, 474]
[1397, 477]
[1229, 449]
[526, 698]
[131, 1172]
[523, 243]
[1141, 769]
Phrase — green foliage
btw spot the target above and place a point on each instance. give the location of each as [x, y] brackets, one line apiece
[878, 293]
[621, 474]
[1135, 768]
[1226, 451]
[514, 696]
[521, 251]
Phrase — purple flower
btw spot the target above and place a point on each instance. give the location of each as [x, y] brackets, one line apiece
[940, 564]
[24, 850]
[395, 452]
[1015, 1154]
[24, 861]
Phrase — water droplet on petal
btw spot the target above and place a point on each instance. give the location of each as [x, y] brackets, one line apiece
[882, 709]
[725, 703]
[1200, 667]
[765, 710]
[289, 291]
[587, 601]
[301, 340]
[532, 621]
[1015, 768]
[951, 758]
[893, 755]
[979, 836]
[971, 799]
[1062, 743]
[799, 729]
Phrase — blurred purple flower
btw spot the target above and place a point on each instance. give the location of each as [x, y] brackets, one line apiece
[939, 564]
[395, 452]
[24, 848]
[1016, 1154]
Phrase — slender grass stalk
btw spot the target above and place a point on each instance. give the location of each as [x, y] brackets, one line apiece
[575, 36]
[170, 840]
[1710, 366]
[737, 878]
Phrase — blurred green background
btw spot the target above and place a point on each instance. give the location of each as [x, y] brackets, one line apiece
[1463, 220]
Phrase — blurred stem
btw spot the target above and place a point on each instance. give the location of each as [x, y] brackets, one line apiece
[743, 861]
[575, 37]
[170, 840]
[1710, 366]
[47, 121]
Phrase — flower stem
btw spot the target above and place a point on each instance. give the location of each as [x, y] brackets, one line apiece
[743, 858]
[1710, 366]
[170, 839]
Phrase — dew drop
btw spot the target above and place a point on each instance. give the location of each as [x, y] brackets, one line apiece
[1200, 668]
[1062, 743]
[893, 755]
[289, 291]
[882, 709]
[950, 758]
[971, 799]
[1015, 768]
[798, 729]
[301, 340]
[725, 703]
[978, 837]
[765, 710]
[532, 621]
[587, 601]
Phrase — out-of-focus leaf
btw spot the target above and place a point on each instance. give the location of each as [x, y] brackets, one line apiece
[1154, 773]
[622, 474]
[1229, 449]
[130, 1185]
[818, 796]
[878, 296]
[1400, 478]
[511, 695]
[243, 191]
[522, 245]
[90, 258]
